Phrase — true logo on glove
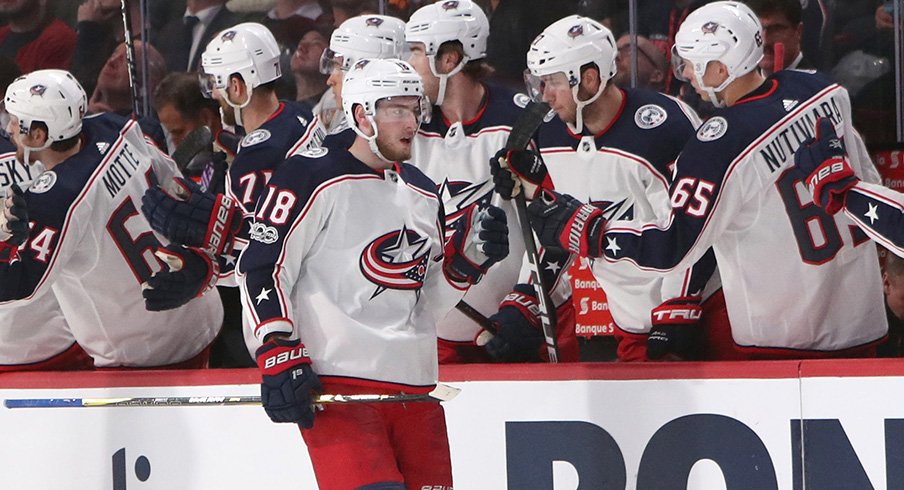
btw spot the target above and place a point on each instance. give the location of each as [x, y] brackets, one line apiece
[283, 357]
[689, 314]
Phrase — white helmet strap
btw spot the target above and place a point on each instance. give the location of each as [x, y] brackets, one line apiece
[444, 77]
[578, 127]
[238, 107]
[371, 139]
[713, 92]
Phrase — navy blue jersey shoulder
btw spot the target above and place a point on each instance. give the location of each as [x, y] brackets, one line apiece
[340, 141]
[413, 176]
[270, 143]
[499, 108]
[6, 145]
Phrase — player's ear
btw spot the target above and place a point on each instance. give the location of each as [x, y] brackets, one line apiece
[37, 135]
[362, 120]
[590, 79]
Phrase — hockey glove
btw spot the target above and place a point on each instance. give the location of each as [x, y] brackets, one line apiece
[676, 329]
[191, 272]
[288, 383]
[480, 240]
[563, 222]
[187, 215]
[823, 160]
[513, 170]
[14, 218]
[518, 336]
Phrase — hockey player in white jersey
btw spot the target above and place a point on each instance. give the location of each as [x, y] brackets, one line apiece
[471, 120]
[340, 284]
[599, 151]
[736, 190]
[88, 244]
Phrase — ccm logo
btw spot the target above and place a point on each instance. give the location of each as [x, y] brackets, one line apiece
[835, 166]
[286, 356]
[692, 314]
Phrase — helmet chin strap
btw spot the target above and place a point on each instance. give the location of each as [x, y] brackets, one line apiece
[444, 77]
[713, 92]
[371, 140]
[578, 127]
[238, 107]
[26, 152]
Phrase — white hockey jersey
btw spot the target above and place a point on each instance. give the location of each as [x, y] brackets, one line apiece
[93, 248]
[348, 259]
[793, 276]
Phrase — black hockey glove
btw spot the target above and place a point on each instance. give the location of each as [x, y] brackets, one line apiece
[676, 330]
[191, 272]
[513, 170]
[187, 215]
[210, 168]
[563, 222]
[14, 218]
[518, 335]
[824, 161]
[480, 240]
[288, 383]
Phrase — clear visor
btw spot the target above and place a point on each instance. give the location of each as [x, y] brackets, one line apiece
[536, 85]
[329, 61]
[402, 108]
[679, 64]
[209, 83]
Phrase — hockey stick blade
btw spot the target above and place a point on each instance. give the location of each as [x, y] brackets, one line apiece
[441, 393]
[196, 142]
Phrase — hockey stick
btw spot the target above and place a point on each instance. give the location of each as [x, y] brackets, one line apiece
[525, 126]
[441, 393]
[194, 143]
[130, 59]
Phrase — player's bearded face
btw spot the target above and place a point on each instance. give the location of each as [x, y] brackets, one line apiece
[227, 112]
[421, 64]
[555, 90]
[397, 121]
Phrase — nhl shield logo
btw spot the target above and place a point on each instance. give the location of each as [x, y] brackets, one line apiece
[710, 27]
[575, 31]
[38, 90]
[373, 22]
[450, 5]
[227, 36]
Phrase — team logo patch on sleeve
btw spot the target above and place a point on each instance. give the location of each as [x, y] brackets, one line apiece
[255, 137]
[650, 116]
[712, 129]
[315, 152]
[43, 183]
[396, 260]
[521, 100]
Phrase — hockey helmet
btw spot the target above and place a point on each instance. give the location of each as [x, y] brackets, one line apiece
[53, 97]
[247, 49]
[364, 36]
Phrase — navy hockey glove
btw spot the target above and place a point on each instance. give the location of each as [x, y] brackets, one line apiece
[563, 222]
[288, 383]
[480, 240]
[823, 160]
[190, 216]
[518, 337]
[191, 272]
[676, 329]
[14, 218]
[513, 170]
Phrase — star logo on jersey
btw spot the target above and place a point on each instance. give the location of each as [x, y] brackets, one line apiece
[575, 31]
[373, 22]
[458, 196]
[789, 104]
[710, 27]
[450, 5]
[872, 213]
[612, 246]
[553, 267]
[263, 296]
[38, 90]
[396, 260]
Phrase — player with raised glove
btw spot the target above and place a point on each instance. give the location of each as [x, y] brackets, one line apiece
[190, 273]
[479, 241]
[186, 214]
[513, 170]
[288, 382]
[518, 336]
[676, 330]
[824, 161]
[14, 218]
[563, 222]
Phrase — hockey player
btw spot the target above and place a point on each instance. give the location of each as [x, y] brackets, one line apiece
[470, 121]
[347, 257]
[735, 190]
[598, 151]
[88, 245]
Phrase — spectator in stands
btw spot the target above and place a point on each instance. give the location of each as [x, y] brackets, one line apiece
[33, 37]
[782, 25]
[652, 65]
[346, 9]
[893, 285]
[100, 31]
[310, 84]
[113, 92]
[182, 108]
[289, 20]
[181, 41]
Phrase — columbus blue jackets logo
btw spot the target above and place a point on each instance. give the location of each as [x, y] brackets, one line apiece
[38, 90]
[361, 64]
[396, 260]
[255, 137]
[712, 129]
[710, 27]
[575, 31]
[43, 183]
[450, 5]
[227, 36]
[373, 22]
[458, 196]
[650, 116]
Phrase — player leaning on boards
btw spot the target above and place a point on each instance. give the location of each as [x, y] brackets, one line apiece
[88, 243]
[346, 256]
[599, 158]
[735, 190]
[876, 209]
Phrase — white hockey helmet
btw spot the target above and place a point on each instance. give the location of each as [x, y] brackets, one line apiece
[248, 49]
[445, 21]
[371, 80]
[364, 36]
[728, 32]
[53, 97]
[565, 46]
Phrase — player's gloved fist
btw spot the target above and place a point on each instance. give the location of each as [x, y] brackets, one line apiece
[480, 240]
[518, 336]
[190, 272]
[676, 329]
[563, 222]
[188, 215]
[824, 161]
[288, 383]
[14, 218]
[513, 170]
